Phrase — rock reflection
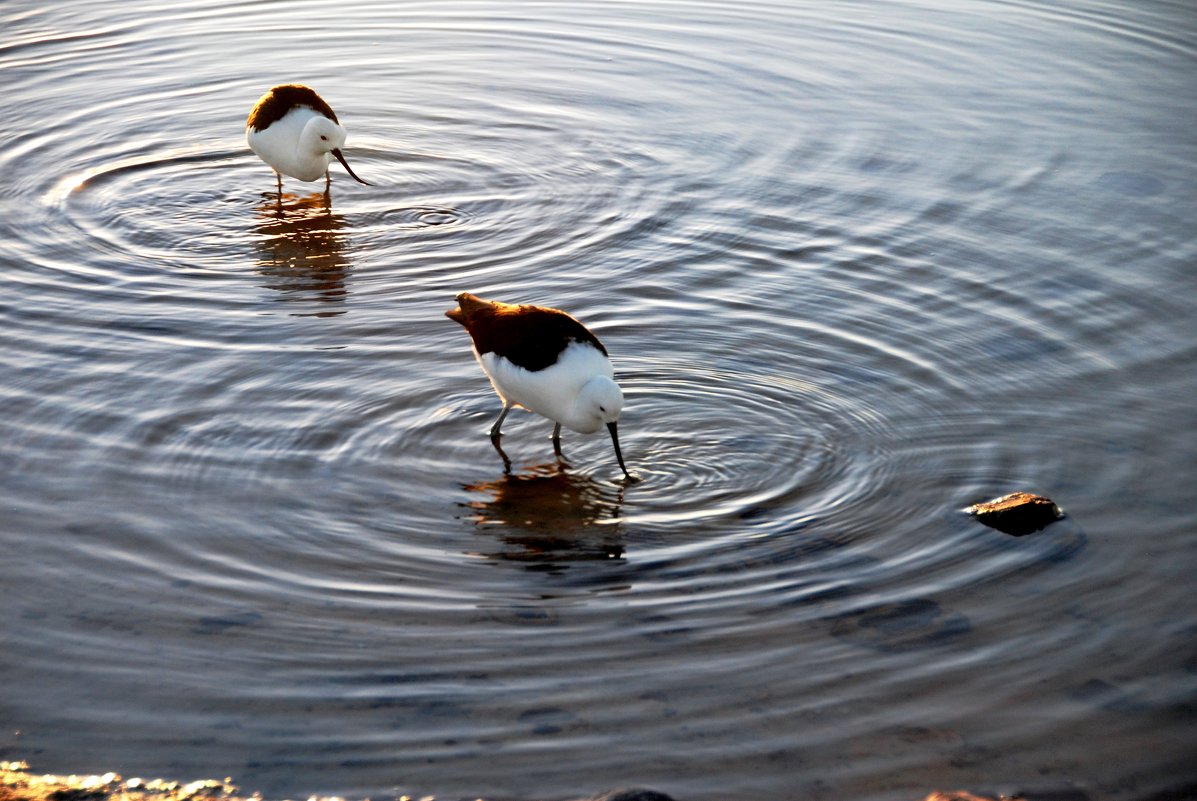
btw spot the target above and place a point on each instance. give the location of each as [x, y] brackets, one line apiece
[301, 250]
[545, 514]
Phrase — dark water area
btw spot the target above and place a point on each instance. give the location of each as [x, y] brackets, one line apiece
[858, 265]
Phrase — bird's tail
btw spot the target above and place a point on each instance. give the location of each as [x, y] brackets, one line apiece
[468, 306]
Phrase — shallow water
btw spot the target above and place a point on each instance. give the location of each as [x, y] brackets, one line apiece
[858, 264]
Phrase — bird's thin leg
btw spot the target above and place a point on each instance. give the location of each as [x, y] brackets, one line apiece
[495, 433]
[557, 439]
[279, 176]
[502, 455]
[327, 181]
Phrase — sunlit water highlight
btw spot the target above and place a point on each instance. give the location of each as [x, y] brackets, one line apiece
[858, 265]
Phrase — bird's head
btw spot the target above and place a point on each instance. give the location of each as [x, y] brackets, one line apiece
[323, 137]
[598, 404]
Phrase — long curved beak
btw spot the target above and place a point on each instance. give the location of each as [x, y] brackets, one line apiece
[336, 151]
[619, 454]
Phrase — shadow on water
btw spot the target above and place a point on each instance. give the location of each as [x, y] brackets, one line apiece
[301, 250]
[544, 515]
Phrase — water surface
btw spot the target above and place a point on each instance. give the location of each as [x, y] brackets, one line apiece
[858, 264]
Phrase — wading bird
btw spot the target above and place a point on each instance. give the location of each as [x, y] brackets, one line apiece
[545, 361]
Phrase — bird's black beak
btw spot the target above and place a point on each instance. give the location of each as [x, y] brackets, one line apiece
[619, 454]
[336, 151]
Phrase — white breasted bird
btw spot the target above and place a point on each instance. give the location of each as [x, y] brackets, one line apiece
[545, 361]
[293, 130]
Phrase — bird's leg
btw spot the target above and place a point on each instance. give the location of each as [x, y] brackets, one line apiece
[327, 181]
[557, 440]
[495, 433]
[502, 455]
[279, 176]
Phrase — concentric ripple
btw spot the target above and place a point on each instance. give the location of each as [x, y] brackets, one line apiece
[751, 443]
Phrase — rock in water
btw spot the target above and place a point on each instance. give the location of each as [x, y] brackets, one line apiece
[1018, 513]
[630, 794]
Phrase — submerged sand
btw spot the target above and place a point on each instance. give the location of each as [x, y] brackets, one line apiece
[18, 784]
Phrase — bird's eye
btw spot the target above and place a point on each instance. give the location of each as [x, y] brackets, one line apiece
[324, 138]
[602, 408]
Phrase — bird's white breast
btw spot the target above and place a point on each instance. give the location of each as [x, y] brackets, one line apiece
[550, 392]
[278, 146]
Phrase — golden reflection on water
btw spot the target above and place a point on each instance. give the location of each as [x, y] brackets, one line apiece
[301, 249]
[544, 513]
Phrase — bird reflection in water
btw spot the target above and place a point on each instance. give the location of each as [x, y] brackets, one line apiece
[301, 250]
[546, 515]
